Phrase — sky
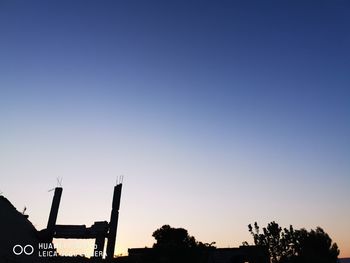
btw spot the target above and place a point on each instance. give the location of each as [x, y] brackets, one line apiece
[217, 113]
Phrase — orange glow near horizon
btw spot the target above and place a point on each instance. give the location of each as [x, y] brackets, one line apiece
[85, 247]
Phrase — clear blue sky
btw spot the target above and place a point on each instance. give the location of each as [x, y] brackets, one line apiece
[219, 114]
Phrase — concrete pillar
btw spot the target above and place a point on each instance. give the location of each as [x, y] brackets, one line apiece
[53, 213]
[113, 223]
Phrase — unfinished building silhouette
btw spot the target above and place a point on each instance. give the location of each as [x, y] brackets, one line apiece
[99, 231]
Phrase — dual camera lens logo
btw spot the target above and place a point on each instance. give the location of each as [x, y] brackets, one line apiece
[19, 250]
[43, 250]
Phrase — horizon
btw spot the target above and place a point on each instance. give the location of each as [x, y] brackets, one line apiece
[218, 114]
[73, 247]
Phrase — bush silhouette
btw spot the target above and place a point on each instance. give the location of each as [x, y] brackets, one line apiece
[295, 246]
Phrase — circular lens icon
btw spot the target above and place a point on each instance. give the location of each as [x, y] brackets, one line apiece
[17, 250]
[28, 250]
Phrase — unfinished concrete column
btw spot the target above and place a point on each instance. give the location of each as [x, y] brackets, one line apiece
[53, 213]
[113, 223]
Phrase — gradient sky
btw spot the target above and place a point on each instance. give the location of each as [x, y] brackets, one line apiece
[218, 114]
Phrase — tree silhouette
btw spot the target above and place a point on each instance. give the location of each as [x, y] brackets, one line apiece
[169, 237]
[295, 246]
[316, 246]
[175, 245]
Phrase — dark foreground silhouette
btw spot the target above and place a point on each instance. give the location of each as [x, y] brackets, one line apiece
[173, 245]
[273, 244]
